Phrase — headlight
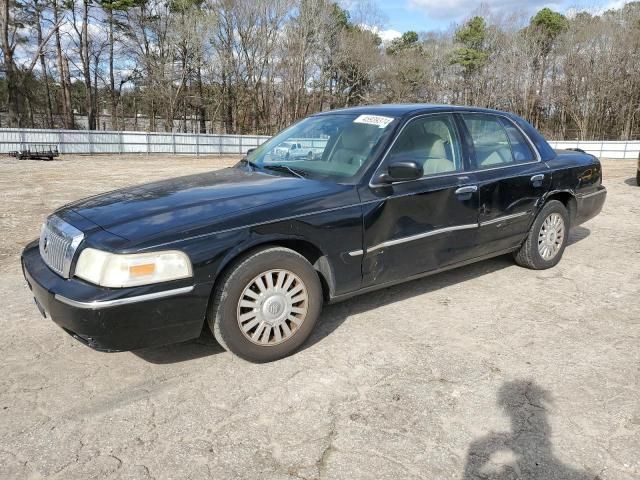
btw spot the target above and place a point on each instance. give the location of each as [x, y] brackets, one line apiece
[116, 271]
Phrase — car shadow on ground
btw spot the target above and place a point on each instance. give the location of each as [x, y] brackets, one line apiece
[334, 315]
[203, 346]
[577, 235]
[631, 181]
[524, 452]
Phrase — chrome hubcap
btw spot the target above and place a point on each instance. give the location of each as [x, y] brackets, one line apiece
[551, 236]
[272, 307]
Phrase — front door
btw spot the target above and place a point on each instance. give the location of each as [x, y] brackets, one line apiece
[511, 180]
[421, 225]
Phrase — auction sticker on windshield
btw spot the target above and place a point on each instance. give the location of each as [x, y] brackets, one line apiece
[377, 120]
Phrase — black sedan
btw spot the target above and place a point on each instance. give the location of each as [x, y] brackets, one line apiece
[391, 193]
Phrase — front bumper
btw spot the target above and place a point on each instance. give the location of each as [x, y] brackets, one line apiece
[117, 319]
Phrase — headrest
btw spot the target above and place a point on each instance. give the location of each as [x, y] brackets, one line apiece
[356, 136]
[437, 149]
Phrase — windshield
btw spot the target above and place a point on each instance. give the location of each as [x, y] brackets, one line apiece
[336, 146]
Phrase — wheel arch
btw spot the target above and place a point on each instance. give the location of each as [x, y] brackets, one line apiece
[567, 198]
[309, 250]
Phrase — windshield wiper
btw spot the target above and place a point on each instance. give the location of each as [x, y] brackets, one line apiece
[285, 168]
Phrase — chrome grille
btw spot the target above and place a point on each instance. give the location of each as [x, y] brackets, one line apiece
[58, 244]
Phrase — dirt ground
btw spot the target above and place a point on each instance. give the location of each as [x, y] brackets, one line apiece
[488, 371]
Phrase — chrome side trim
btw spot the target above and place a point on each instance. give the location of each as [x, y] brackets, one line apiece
[593, 194]
[420, 236]
[356, 253]
[504, 218]
[98, 304]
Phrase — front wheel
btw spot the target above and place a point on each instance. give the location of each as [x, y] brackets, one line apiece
[266, 305]
[638, 178]
[547, 239]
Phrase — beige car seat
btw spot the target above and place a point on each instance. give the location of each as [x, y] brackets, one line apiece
[497, 157]
[353, 145]
[428, 148]
[437, 161]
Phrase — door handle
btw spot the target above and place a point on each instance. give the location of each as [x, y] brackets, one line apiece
[536, 180]
[467, 189]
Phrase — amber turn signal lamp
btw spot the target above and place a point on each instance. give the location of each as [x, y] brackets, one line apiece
[142, 270]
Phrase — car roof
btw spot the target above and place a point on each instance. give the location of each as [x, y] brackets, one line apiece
[403, 109]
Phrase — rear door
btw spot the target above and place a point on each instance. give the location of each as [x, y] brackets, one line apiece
[421, 225]
[511, 180]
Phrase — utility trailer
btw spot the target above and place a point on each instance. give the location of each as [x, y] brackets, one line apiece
[36, 152]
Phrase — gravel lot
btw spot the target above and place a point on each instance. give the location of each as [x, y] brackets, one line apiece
[488, 371]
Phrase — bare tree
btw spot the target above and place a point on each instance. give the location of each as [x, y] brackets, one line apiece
[257, 65]
[12, 33]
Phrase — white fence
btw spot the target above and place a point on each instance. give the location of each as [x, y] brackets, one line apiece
[620, 150]
[98, 141]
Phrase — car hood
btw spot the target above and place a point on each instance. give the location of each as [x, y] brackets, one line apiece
[196, 202]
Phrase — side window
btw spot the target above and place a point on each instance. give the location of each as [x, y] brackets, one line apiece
[490, 140]
[431, 141]
[497, 141]
[519, 146]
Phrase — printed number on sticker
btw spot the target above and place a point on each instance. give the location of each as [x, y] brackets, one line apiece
[377, 120]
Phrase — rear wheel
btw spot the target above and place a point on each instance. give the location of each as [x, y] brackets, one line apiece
[547, 239]
[638, 178]
[266, 305]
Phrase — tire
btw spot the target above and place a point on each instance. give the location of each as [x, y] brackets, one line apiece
[540, 251]
[638, 178]
[310, 156]
[274, 310]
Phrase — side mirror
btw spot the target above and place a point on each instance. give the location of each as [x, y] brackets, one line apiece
[401, 171]
[250, 150]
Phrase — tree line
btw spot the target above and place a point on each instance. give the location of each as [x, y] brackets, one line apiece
[255, 66]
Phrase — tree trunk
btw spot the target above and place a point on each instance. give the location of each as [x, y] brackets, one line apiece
[14, 99]
[11, 74]
[112, 78]
[202, 111]
[94, 96]
[86, 67]
[43, 66]
[227, 109]
[67, 83]
[63, 69]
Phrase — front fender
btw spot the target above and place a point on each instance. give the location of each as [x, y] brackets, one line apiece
[324, 238]
[312, 252]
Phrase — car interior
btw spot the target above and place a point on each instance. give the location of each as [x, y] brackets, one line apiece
[354, 144]
[496, 145]
[430, 143]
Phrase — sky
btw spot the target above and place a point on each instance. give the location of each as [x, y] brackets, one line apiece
[424, 15]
